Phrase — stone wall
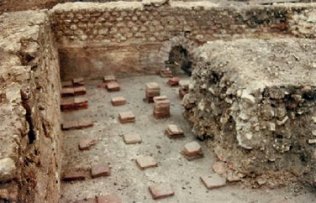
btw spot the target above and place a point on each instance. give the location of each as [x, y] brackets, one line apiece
[256, 102]
[136, 36]
[29, 114]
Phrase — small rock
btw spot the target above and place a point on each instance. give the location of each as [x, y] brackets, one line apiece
[7, 169]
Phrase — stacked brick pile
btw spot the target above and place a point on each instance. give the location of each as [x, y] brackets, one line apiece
[161, 107]
[71, 93]
[152, 90]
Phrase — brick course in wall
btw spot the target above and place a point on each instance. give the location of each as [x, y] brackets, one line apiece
[137, 37]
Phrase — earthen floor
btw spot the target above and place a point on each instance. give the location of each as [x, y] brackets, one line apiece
[127, 180]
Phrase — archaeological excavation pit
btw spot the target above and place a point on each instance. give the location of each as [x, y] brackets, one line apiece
[157, 101]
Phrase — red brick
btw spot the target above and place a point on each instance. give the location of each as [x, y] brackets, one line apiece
[174, 131]
[161, 107]
[174, 81]
[77, 124]
[80, 90]
[74, 174]
[67, 91]
[192, 151]
[166, 73]
[80, 102]
[213, 181]
[109, 199]
[86, 144]
[113, 86]
[100, 170]
[78, 81]
[126, 117]
[67, 104]
[161, 191]
[118, 101]
[145, 162]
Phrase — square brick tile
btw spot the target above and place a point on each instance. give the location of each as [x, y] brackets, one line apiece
[173, 131]
[81, 102]
[160, 191]
[166, 73]
[192, 151]
[118, 101]
[213, 181]
[100, 170]
[145, 162]
[111, 198]
[126, 117]
[132, 138]
[86, 144]
[113, 86]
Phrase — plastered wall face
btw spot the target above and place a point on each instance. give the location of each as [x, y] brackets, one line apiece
[121, 35]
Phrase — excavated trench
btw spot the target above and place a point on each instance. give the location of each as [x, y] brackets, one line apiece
[232, 108]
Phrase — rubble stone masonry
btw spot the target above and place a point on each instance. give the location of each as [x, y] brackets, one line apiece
[256, 101]
[29, 113]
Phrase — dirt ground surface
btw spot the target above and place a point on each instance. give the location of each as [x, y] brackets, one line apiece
[127, 180]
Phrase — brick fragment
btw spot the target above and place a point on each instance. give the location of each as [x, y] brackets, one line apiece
[111, 198]
[86, 144]
[173, 81]
[113, 86]
[118, 101]
[166, 73]
[100, 170]
[126, 117]
[145, 162]
[192, 150]
[213, 181]
[173, 131]
[132, 138]
[74, 174]
[160, 191]
[219, 167]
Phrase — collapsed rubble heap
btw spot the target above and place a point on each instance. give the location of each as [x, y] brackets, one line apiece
[256, 100]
